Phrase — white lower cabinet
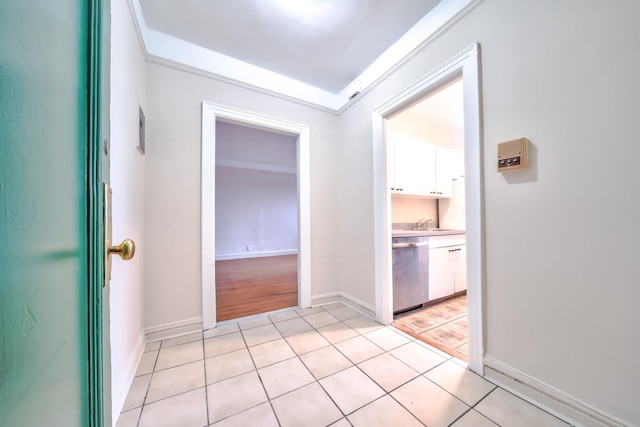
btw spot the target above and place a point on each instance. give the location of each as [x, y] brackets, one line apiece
[447, 265]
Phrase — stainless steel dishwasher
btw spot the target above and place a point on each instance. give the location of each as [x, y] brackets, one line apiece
[410, 272]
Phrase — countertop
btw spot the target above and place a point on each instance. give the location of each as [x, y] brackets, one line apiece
[425, 232]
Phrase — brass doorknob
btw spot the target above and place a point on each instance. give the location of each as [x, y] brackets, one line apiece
[126, 249]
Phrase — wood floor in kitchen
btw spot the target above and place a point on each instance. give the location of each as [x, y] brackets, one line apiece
[443, 325]
[255, 285]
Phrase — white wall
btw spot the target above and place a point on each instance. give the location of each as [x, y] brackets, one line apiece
[427, 130]
[411, 209]
[128, 92]
[561, 289]
[256, 209]
[258, 148]
[256, 192]
[172, 202]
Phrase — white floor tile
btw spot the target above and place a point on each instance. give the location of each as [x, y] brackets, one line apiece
[429, 403]
[387, 371]
[223, 344]
[351, 389]
[137, 392]
[182, 340]
[325, 361]
[179, 355]
[261, 334]
[232, 396]
[320, 319]
[461, 382]
[285, 376]
[307, 341]
[358, 349]
[382, 413]
[310, 310]
[254, 322]
[417, 357]
[152, 346]
[333, 306]
[271, 352]
[283, 315]
[311, 378]
[337, 332]
[363, 324]
[344, 313]
[224, 366]
[258, 416]
[387, 338]
[508, 410]
[129, 418]
[221, 330]
[308, 406]
[173, 381]
[184, 410]
[147, 363]
[293, 326]
[474, 419]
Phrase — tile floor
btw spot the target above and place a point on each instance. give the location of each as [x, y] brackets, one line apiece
[442, 325]
[324, 366]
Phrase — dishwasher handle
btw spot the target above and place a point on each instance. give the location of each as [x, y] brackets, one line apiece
[409, 245]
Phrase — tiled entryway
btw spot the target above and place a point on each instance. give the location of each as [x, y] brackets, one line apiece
[442, 325]
[314, 367]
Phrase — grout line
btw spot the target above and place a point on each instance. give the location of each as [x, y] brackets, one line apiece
[206, 388]
[342, 323]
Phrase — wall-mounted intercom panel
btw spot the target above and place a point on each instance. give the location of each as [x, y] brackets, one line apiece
[512, 155]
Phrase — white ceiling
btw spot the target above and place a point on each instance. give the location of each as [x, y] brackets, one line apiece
[324, 43]
[316, 51]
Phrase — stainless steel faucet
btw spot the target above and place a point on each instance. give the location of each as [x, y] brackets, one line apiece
[423, 224]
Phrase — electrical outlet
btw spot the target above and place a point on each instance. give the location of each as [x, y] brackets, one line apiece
[249, 248]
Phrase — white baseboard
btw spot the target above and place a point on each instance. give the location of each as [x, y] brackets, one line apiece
[255, 254]
[174, 329]
[547, 397]
[329, 298]
[120, 390]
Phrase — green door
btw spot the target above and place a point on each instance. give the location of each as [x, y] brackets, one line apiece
[51, 231]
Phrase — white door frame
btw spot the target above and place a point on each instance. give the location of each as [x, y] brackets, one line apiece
[210, 113]
[467, 65]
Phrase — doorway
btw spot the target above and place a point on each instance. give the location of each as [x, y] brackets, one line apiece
[256, 224]
[212, 114]
[431, 132]
[465, 65]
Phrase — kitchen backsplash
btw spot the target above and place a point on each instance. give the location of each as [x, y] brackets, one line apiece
[410, 209]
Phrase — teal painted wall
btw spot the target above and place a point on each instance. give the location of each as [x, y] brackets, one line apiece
[43, 255]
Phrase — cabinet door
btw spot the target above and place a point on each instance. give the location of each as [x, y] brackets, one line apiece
[444, 171]
[460, 270]
[441, 273]
[425, 156]
[391, 163]
[404, 165]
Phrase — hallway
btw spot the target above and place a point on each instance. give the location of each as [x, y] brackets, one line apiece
[321, 366]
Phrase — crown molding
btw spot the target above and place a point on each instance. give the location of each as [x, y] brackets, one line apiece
[172, 52]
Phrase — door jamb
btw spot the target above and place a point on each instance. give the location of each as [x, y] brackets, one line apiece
[467, 64]
[210, 113]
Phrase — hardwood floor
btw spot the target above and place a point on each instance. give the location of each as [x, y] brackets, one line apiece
[255, 285]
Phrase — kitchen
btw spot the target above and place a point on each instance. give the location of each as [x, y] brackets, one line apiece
[426, 184]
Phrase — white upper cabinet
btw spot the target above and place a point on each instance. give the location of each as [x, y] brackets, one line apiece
[420, 168]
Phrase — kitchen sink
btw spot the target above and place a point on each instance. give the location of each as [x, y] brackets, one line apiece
[433, 229]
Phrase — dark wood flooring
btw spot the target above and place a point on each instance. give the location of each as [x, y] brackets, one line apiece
[255, 285]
